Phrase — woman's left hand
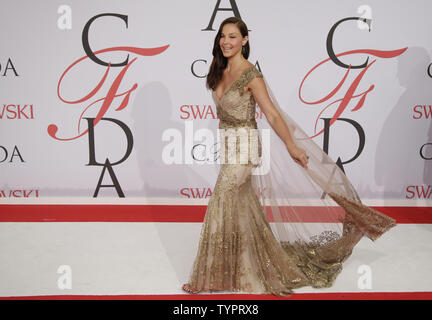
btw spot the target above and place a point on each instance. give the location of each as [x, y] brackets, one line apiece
[299, 156]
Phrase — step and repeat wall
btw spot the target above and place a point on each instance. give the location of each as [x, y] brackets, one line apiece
[107, 99]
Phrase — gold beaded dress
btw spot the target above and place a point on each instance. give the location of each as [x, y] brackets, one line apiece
[271, 225]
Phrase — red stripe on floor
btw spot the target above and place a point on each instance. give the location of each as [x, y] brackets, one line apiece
[295, 296]
[164, 213]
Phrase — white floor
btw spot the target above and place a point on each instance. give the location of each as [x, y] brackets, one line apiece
[156, 258]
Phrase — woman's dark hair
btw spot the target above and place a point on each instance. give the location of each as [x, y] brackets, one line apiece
[219, 61]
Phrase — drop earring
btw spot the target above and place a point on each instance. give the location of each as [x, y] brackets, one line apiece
[243, 50]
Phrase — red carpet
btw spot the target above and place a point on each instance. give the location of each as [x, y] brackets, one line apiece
[158, 213]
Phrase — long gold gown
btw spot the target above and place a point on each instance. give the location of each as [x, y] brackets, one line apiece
[238, 251]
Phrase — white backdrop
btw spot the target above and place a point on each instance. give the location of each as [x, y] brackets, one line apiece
[40, 40]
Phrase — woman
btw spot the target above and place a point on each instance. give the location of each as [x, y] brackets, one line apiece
[238, 250]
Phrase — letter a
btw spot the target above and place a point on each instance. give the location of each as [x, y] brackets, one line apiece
[116, 184]
[217, 8]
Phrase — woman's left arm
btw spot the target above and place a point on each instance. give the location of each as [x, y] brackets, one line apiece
[262, 98]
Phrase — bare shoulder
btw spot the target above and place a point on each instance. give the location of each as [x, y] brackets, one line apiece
[249, 65]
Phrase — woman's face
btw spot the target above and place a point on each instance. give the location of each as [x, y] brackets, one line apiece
[231, 40]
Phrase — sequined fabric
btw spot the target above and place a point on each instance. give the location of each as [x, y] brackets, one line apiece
[237, 250]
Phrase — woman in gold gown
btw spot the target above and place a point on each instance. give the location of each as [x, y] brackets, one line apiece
[316, 213]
